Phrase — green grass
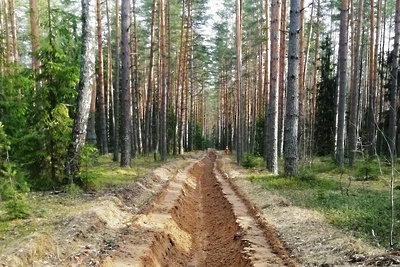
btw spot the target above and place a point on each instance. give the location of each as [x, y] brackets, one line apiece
[354, 199]
[105, 173]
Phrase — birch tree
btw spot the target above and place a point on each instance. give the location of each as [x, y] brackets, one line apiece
[73, 160]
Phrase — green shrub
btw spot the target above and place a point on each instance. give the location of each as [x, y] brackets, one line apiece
[249, 160]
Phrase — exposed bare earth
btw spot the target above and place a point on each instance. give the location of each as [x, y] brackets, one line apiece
[193, 212]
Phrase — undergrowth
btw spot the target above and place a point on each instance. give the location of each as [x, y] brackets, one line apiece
[354, 199]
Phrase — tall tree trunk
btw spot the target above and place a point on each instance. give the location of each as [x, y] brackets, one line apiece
[266, 77]
[240, 119]
[73, 159]
[116, 101]
[136, 126]
[394, 85]
[353, 122]
[372, 85]
[343, 46]
[315, 74]
[163, 76]
[272, 116]
[102, 104]
[109, 89]
[282, 85]
[292, 99]
[11, 7]
[150, 81]
[35, 35]
[301, 83]
[126, 126]
[178, 84]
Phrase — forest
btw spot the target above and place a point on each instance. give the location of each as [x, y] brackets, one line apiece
[287, 80]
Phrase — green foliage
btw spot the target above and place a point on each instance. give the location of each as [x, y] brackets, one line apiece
[73, 189]
[13, 189]
[90, 156]
[250, 161]
[357, 209]
[367, 171]
[325, 114]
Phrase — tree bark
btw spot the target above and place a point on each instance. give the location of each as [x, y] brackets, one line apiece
[116, 100]
[150, 81]
[342, 55]
[353, 122]
[102, 105]
[393, 85]
[272, 116]
[292, 99]
[35, 35]
[126, 114]
[73, 160]
[372, 86]
[163, 76]
[11, 6]
[240, 120]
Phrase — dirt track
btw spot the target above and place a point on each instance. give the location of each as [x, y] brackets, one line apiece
[200, 219]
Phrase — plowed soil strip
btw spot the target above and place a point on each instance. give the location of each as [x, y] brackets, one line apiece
[199, 220]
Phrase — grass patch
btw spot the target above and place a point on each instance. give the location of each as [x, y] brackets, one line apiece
[354, 199]
[106, 173]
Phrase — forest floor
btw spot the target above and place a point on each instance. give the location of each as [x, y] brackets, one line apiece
[195, 211]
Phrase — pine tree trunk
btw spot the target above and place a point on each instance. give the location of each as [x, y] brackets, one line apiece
[343, 46]
[353, 122]
[292, 98]
[35, 35]
[372, 86]
[126, 123]
[393, 86]
[73, 160]
[163, 77]
[11, 7]
[239, 112]
[116, 100]
[150, 81]
[272, 116]
[282, 79]
[102, 105]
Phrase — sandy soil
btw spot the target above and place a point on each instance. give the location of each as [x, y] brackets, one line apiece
[197, 211]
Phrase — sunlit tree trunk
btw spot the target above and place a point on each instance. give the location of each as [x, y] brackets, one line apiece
[137, 120]
[73, 160]
[301, 83]
[315, 73]
[353, 122]
[282, 79]
[343, 46]
[126, 126]
[266, 76]
[272, 110]
[240, 119]
[102, 104]
[116, 100]
[35, 35]
[150, 81]
[11, 6]
[372, 85]
[292, 98]
[163, 77]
